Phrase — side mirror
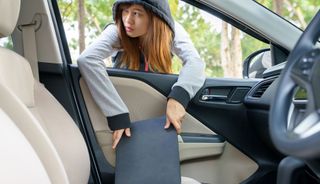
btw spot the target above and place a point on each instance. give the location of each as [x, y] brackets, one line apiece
[256, 63]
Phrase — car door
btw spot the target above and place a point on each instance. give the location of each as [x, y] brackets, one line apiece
[204, 154]
[219, 143]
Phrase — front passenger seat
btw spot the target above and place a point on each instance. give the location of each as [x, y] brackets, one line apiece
[46, 125]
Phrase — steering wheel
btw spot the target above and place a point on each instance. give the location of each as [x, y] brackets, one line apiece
[299, 137]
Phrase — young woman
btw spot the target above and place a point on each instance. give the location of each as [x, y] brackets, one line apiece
[146, 36]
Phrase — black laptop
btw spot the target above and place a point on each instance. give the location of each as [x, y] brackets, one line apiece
[149, 156]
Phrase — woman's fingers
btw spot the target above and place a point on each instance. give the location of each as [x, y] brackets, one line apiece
[116, 137]
[175, 113]
[117, 134]
[167, 125]
[128, 132]
[175, 121]
[177, 126]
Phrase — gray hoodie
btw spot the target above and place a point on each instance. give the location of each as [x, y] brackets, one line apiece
[159, 7]
[93, 70]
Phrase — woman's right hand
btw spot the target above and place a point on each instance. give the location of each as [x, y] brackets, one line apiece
[117, 134]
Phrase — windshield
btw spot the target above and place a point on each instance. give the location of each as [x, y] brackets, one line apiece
[298, 12]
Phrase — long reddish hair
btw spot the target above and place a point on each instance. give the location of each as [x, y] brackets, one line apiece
[155, 44]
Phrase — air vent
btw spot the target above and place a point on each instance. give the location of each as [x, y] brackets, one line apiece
[261, 89]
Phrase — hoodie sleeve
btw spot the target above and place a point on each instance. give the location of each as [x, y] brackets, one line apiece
[192, 76]
[93, 70]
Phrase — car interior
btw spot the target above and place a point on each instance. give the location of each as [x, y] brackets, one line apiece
[250, 130]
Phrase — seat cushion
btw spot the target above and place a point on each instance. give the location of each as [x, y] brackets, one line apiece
[15, 148]
[64, 134]
[34, 133]
[36, 103]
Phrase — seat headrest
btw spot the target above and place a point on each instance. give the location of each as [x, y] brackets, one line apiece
[9, 13]
[16, 75]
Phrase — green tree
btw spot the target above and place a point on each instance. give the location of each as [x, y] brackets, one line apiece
[97, 14]
[81, 25]
[299, 12]
[6, 42]
[206, 39]
[202, 34]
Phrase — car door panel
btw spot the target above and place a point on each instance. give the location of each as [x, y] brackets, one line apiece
[143, 102]
[145, 96]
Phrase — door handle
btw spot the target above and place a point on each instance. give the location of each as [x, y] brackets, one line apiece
[214, 98]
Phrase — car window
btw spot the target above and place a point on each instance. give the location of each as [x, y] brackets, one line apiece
[221, 46]
[6, 42]
[298, 12]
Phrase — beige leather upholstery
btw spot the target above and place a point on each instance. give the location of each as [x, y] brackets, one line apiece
[46, 125]
[35, 133]
[13, 76]
[17, 155]
[53, 119]
[45, 111]
[9, 12]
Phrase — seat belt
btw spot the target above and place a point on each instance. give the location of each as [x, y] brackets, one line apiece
[29, 42]
[30, 47]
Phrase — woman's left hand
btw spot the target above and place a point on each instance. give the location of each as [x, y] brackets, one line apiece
[175, 113]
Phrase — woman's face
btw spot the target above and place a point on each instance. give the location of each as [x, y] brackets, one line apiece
[135, 20]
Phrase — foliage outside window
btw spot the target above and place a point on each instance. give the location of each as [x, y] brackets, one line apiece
[222, 47]
[6, 43]
[298, 12]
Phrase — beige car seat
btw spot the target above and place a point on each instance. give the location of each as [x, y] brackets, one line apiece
[43, 121]
[15, 148]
